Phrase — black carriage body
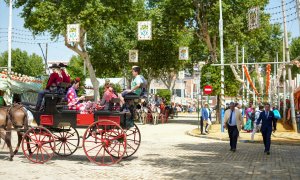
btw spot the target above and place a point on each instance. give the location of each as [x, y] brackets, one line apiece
[54, 116]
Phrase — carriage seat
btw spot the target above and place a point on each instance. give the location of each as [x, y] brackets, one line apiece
[131, 96]
[68, 111]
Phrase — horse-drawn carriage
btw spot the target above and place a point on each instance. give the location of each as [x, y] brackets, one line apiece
[109, 135]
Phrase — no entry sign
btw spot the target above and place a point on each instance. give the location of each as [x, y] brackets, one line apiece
[207, 89]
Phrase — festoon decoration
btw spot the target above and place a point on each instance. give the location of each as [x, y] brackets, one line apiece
[268, 77]
[249, 79]
[260, 83]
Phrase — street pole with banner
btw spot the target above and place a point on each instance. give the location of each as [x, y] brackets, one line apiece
[222, 66]
[9, 36]
[181, 77]
[199, 68]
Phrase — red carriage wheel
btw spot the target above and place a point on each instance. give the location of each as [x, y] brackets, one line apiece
[67, 141]
[38, 145]
[133, 138]
[104, 142]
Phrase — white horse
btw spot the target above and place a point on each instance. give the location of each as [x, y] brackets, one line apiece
[144, 112]
[155, 110]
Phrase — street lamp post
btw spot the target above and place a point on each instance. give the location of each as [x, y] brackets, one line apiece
[222, 67]
[199, 95]
[9, 36]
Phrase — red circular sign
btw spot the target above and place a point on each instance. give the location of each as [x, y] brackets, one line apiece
[207, 89]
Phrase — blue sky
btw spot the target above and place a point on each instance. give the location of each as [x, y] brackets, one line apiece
[58, 52]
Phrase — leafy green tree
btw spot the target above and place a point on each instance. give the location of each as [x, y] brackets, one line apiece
[165, 94]
[93, 16]
[31, 65]
[75, 68]
[202, 18]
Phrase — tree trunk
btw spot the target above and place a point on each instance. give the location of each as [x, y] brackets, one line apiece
[203, 32]
[80, 49]
[92, 75]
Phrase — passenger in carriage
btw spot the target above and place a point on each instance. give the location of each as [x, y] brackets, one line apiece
[137, 85]
[53, 81]
[74, 101]
[108, 95]
[64, 73]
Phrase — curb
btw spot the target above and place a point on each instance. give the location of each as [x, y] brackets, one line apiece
[243, 140]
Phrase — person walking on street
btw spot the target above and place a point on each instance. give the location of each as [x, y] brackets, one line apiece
[233, 122]
[256, 127]
[206, 115]
[267, 117]
[250, 113]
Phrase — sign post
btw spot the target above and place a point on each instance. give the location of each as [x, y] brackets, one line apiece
[181, 77]
[207, 89]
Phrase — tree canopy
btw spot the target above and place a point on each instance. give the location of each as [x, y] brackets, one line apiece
[31, 65]
[111, 28]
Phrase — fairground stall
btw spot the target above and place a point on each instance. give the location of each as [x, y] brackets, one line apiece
[17, 87]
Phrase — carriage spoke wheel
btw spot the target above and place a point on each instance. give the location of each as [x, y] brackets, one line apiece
[67, 141]
[38, 145]
[133, 138]
[104, 143]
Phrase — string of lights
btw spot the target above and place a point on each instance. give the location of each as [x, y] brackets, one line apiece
[29, 41]
[276, 7]
[291, 20]
[280, 12]
[279, 18]
[23, 42]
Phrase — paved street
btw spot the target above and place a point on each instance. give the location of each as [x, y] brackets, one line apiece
[167, 152]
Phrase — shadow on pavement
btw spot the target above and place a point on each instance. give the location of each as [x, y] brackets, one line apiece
[183, 121]
[215, 161]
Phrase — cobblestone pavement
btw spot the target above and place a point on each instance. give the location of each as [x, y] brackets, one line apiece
[167, 152]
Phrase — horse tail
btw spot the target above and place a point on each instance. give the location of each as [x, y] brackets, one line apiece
[25, 119]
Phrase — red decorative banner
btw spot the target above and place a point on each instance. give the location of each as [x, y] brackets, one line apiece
[249, 80]
[268, 76]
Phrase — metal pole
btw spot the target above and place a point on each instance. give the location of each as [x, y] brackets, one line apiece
[284, 81]
[254, 93]
[192, 90]
[182, 96]
[46, 59]
[243, 61]
[277, 85]
[9, 36]
[298, 12]
[44, 56]
[293, 115]
[198, 109]
[84, 64]
[222, 67]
